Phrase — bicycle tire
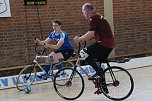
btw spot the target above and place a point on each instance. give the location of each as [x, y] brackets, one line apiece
[26, 77]
[122, 87]
[72, 84]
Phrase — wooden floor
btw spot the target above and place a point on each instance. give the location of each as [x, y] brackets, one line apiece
[45, 92]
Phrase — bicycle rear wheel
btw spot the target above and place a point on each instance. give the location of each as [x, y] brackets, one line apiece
[119, 83]
[26, 77]
[70, 85]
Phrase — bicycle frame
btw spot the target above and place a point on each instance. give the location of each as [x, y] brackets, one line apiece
[35, 62]
[78, 65]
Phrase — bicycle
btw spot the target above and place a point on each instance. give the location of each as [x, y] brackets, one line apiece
[28, 74]
[119, 83]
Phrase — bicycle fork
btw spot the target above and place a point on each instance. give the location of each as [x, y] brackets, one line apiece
[29, 71]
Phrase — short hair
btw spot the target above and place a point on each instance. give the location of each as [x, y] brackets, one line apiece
[88, 7]
[58, 21]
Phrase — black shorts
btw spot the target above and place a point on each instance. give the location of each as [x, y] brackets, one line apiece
[97, 51]
[66, 53]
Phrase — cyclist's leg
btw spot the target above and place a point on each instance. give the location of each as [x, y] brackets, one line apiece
[92, 63]
[93, 53]
[99, 52]
[47, 67]
[59, 65]
[102, 53]
[57, 59]
[103, 84]
[62, 55]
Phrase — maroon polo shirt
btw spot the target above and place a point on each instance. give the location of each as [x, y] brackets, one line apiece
[103, 33]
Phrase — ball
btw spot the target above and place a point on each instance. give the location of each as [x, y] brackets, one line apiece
[27, 89]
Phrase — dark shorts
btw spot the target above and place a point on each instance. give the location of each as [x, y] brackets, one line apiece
[97, 51]
[66, 53]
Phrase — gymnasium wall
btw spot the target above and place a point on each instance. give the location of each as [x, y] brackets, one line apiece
[132, 26]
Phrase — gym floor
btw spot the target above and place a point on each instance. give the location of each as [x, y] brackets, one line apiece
[45, 92]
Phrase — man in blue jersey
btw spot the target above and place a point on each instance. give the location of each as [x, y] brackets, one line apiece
[64, 48]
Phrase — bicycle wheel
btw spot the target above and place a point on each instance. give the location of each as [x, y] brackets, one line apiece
[26, 77]
[70, 85]
[119, 83]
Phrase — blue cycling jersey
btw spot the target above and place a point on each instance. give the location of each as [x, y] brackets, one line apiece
[56, 37]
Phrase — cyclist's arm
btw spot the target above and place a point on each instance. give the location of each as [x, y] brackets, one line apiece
[58, 45]
[88, 36]
[47, 40]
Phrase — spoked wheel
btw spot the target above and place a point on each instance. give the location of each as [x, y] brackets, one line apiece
[70, 85]
[119, 83]
[26, 77]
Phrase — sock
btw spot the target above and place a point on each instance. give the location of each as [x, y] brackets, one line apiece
[59, 65]
[47, 68]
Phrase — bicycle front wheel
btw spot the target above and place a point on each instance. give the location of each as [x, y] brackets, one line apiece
[119, 83]
[26, 77]
[69, 85]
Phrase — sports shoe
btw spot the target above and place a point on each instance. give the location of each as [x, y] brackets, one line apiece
[93, 77]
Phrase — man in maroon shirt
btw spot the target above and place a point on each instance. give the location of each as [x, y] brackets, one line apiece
[100, 30]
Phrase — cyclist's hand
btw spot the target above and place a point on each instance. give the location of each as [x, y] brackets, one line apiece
[46, 45]
[77, 39]
[35, 40]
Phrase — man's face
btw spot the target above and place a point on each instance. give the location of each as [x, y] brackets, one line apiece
[84, 13]
[56, 26]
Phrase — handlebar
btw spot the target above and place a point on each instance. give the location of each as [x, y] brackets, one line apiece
[39, 53]
[85, 43]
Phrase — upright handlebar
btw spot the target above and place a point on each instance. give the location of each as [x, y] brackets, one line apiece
[39, 53]
[85, 43]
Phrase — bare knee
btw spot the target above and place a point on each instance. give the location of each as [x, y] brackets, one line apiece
[57, 56]
[56, 59]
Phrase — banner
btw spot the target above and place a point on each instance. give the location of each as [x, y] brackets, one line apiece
[10, 81]
[4, 8]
